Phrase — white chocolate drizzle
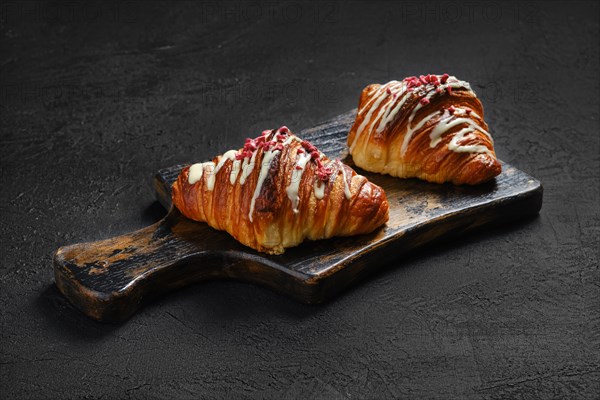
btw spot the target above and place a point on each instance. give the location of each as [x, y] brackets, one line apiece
[347, 191]
[392, 96]
[197, 170]
[319, 188]
[449, 121]
[195, 173]
[246, 166]
[371, 106]
[292, 189]
[229, 155]
[454, 146]
[209, 168]
[410, 130]
[235, 170]
[391, 113]
[264, 171]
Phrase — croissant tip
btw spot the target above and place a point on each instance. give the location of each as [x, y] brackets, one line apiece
[480, 169]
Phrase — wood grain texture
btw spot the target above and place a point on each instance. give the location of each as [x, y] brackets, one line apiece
[110, 279]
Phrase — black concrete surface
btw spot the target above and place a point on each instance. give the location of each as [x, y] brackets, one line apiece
[96, 98]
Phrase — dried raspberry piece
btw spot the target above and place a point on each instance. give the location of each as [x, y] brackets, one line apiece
[308, 146]
[412, 81]
[324, 172]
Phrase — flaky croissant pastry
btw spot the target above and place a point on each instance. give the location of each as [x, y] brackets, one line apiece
[277, 191]
[430, 127]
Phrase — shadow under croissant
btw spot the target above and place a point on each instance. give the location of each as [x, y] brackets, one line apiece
[226, 299]
[109, 280]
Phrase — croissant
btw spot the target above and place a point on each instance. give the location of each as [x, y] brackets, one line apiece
[277, 191]
[430, 127]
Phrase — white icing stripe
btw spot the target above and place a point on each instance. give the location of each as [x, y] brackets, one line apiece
[398, 93]
[229, 155]
[380, 90]
[379, 96]
[235, 170]
[292, 189]
[198, 170]
[392, 113]
[474, 114]
[384, 108]
[264, 171]
[347, 191]
[319, 188]
[289, 140]
[410, 130]
[451, 82]
[209, 170]
[435, 136]
[449, 121]
[247, 167]
[195, 173]
[447, 124]
[454, 146]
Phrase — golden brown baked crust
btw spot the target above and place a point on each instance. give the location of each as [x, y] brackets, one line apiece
[278, 191]
[429, 127]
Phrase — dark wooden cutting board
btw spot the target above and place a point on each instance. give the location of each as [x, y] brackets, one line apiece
[110, 279]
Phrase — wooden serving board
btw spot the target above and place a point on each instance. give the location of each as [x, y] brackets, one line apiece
[110, 279]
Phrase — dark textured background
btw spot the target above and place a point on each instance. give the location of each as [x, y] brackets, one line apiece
[95, 99]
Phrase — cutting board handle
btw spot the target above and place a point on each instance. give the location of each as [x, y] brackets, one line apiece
[108, 280]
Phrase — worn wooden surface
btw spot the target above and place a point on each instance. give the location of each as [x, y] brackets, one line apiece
[95, 100]
[110, 279]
